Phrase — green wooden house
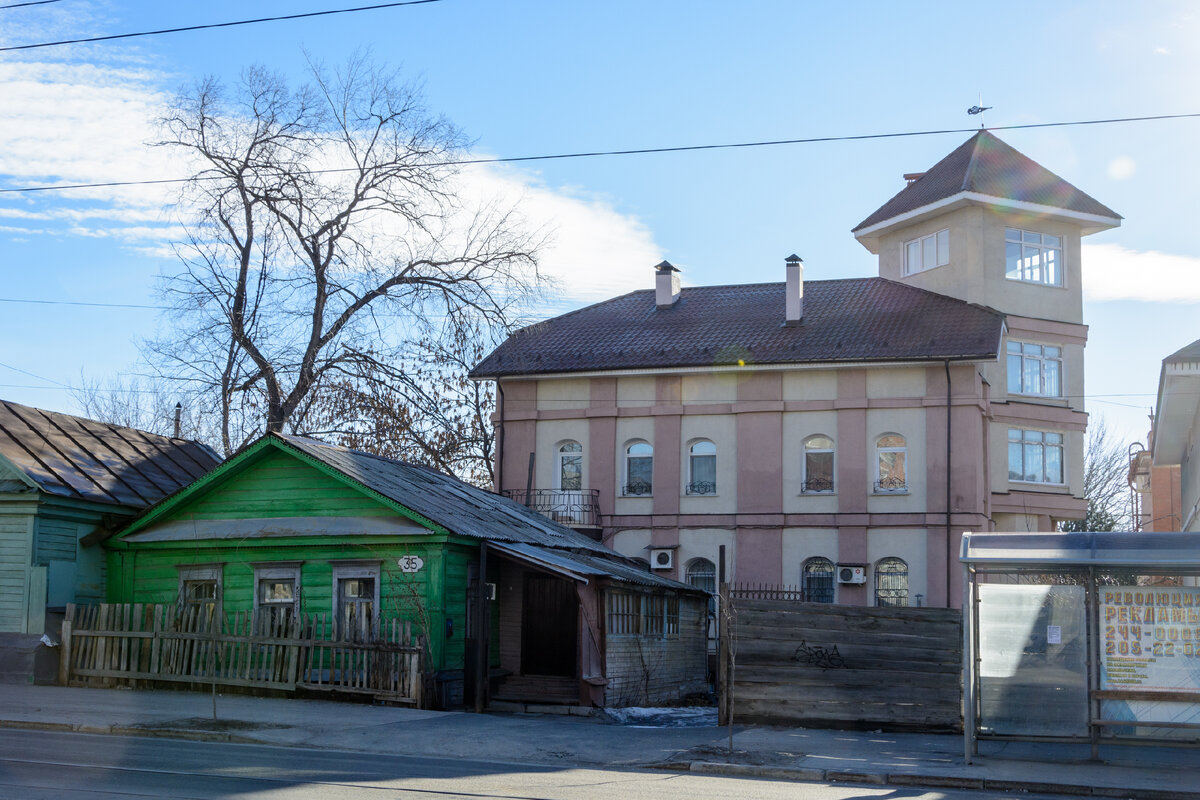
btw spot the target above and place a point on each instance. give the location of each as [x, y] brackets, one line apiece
[64, 483]
[291, 525]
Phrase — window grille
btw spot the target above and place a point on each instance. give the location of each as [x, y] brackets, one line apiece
[891, 583]
[624, 614]
[816, 579]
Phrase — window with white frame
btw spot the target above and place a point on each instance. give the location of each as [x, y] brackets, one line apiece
[276, 596]
[1035, 456]
[702, 467]
[816, 579]
[818, 464]
[927, 252]
[356, 600]
[702, 574]
[1033, 257]
[891, 582]
[570, 466]
[200, 590]
[891, 473]
[639, 470]
[1034, 369]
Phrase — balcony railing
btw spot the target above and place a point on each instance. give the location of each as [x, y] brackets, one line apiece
[636, 488]
[813, 485]
[575, 507]
[702, 487]
[891, 485]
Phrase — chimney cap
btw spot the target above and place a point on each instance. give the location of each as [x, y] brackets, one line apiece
[913, 177]
[666, 266]
[793, 259]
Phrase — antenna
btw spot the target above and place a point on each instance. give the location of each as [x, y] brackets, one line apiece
[979, 109]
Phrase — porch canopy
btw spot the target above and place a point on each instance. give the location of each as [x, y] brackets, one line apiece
[1087, 637]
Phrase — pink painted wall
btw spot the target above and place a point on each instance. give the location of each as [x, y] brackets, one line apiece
[667, 433]
[760, 446]
[853, 478]
[602, 442]
[520, 413]
[759, 555]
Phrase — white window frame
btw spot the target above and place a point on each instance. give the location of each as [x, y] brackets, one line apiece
[1016, 362]
[692, 455]
[272, 571]
[629, 458]
[1027, 240]
[561, 454]
[1026, 437]
[879, 451]
[880, 572]
[354, 570]
[932, 251]
[806, 450]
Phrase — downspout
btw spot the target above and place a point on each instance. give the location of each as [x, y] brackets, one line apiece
[500, 437]
[949, 474]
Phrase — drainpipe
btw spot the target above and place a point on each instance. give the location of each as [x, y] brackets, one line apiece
[483, 632]
[500, 438]
[949, 473]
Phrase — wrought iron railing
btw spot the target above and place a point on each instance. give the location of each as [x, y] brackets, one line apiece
[636, 488]
[817, 485]
[702, 487]
[891, 485]
[575, 507]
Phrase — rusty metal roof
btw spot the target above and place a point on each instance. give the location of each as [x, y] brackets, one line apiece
[80, 458]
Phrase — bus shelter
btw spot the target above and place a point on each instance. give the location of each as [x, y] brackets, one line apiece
[1081, 637]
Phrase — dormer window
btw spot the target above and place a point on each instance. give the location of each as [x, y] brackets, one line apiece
[1033, 257]
[927, 252]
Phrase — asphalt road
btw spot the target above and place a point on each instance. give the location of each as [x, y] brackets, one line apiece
[40, 765]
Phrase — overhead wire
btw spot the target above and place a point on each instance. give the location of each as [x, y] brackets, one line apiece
[185, 28]
[31, 3]
[635, 151]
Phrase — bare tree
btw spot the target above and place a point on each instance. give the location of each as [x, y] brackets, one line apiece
[1105, 481]
[329, 249]
[135, 402]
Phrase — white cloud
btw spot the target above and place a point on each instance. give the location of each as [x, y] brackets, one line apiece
[1113, 272]
[1161, 51]
[1121, 167]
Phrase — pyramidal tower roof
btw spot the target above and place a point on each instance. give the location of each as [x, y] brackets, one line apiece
[985, 169]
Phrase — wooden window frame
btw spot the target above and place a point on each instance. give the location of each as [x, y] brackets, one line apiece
[355, 570]
[276, 570]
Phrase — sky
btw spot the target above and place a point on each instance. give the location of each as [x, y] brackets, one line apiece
[528, 78]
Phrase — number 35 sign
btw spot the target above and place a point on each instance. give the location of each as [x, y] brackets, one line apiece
[410, 563]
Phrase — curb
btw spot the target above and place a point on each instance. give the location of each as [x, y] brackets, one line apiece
[924, 780]
[128, 730]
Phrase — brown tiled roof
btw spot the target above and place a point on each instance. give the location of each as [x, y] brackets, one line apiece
[860, 319]
[1184, 354]
[986, 165]
[87, 460]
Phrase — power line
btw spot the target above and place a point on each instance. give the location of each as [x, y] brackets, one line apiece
[211, 25]
[33, 3]
[639, 151]
[33, 375]
[75, 303]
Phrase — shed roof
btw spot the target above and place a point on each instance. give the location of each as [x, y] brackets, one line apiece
[1107, 548]
[851, 320]
[985, 165]
[80, 458]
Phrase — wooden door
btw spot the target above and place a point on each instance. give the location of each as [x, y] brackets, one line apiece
[549, 627]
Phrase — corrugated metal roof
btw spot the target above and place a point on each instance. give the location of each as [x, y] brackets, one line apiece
[852, 320]
[986, 165]
[71, 456]
[469, 511]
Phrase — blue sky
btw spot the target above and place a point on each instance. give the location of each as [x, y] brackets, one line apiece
[527, 78]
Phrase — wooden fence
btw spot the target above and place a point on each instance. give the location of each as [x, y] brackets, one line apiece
[824, 665]
[126, 643]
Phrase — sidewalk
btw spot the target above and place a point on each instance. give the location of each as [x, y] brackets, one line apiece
[567, 741]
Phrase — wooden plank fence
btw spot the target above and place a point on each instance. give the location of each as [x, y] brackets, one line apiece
[825, 665]
[126, 643]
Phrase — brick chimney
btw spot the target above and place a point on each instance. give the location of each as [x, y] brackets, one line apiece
[666, 285]
[794, 305]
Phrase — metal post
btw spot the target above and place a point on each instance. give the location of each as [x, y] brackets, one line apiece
[1091, 631]
[969, 610]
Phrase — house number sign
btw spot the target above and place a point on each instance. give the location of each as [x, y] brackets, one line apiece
[410, 563]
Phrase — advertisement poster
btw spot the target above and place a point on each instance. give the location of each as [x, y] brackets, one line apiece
[1150, 642]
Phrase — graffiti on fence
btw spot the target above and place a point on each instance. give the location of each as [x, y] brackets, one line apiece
[818, 656]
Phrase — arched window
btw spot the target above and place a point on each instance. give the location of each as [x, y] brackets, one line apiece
[891, 473]
[816, 579]
[570, 466]
[702, 467]
[702, 574]
[891, 582]
[818, 464]
[639, 470]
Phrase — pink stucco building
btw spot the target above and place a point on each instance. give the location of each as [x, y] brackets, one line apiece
[837, 435]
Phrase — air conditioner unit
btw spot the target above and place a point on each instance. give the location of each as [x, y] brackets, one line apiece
[662, 558]
[851, 574]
